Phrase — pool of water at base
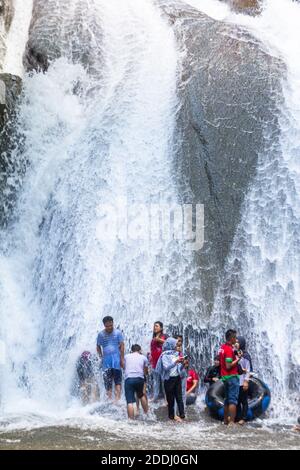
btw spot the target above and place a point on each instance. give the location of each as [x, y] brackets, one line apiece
[97, 430]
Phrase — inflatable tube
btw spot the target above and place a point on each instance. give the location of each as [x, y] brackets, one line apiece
[259, 399]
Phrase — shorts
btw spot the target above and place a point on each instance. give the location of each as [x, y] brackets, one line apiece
[232, 390]
[134, 386]
[84, 374]
[111, 376]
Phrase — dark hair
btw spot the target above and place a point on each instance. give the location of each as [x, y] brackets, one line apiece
[160, 324]
[230, 334]
[178, 337]
[217, 357]
[136, 348]
[107, 320]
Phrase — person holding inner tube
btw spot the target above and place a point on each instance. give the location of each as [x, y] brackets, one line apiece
[213, 372]
[245, 365]
[230, 376]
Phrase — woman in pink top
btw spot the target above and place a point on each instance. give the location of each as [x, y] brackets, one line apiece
[156, 350]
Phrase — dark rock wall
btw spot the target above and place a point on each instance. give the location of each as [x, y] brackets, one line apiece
[230, 92]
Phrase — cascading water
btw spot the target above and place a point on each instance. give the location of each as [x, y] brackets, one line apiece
[260, 291]
[97, 128]
[90, 138]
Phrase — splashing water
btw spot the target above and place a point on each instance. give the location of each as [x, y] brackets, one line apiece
[260, 292]
[93, 136]
[90, 138]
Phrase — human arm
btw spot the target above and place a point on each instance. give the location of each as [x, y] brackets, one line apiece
[159, 339]
[195, 384]
[247, 368]
[230, 363]
[122, 354]
[99, 348]
[168, 362]
[208, 376]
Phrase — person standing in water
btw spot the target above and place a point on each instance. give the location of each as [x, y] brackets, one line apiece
[136, 369]
[110, 347]
[246, 366]
[170, 368]
[88, 386]
[157, 343]
[230, 376]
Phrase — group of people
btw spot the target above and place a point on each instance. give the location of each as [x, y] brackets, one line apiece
[165, 373]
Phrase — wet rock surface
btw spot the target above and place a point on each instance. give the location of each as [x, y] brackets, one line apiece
[249, 7]
[10, 90]
[231, 92]
[6, 16]
[57, 29]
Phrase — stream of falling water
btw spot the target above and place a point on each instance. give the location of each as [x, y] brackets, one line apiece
[90, 139]
[96, 136]
[260, 291]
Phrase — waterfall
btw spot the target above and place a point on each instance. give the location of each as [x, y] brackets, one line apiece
[97, 130]
[91, 136]
[260, 290]
[17, 37]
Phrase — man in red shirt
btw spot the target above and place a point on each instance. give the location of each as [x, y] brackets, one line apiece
[156, 351]
[230, 376]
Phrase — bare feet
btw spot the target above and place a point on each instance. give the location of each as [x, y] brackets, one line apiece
[297, 428]
[178, 419]
[242, 422]
[231, 424]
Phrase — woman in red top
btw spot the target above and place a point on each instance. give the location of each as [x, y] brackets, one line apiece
[156, 350]
[192, 383]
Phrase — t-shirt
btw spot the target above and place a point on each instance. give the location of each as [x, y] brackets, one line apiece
[192, 376]
[135, 364]
[246, 366]
[110, 343]
[156, 351]
[227, 356]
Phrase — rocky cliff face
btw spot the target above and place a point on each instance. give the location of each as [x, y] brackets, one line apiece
[10, 89]
[230, 92]
[50, 38]
[6, 16]
[250, 7]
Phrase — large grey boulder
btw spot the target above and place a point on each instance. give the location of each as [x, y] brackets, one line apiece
[59, 28]
[10, 90]
[230, 91]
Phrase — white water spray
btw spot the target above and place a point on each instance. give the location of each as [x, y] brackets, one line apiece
[260, 293]
[17, 37]
[110, 139]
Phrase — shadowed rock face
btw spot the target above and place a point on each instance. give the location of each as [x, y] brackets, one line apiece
[57, 29]
[10, 89]
[249, 7]
[230, 92]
